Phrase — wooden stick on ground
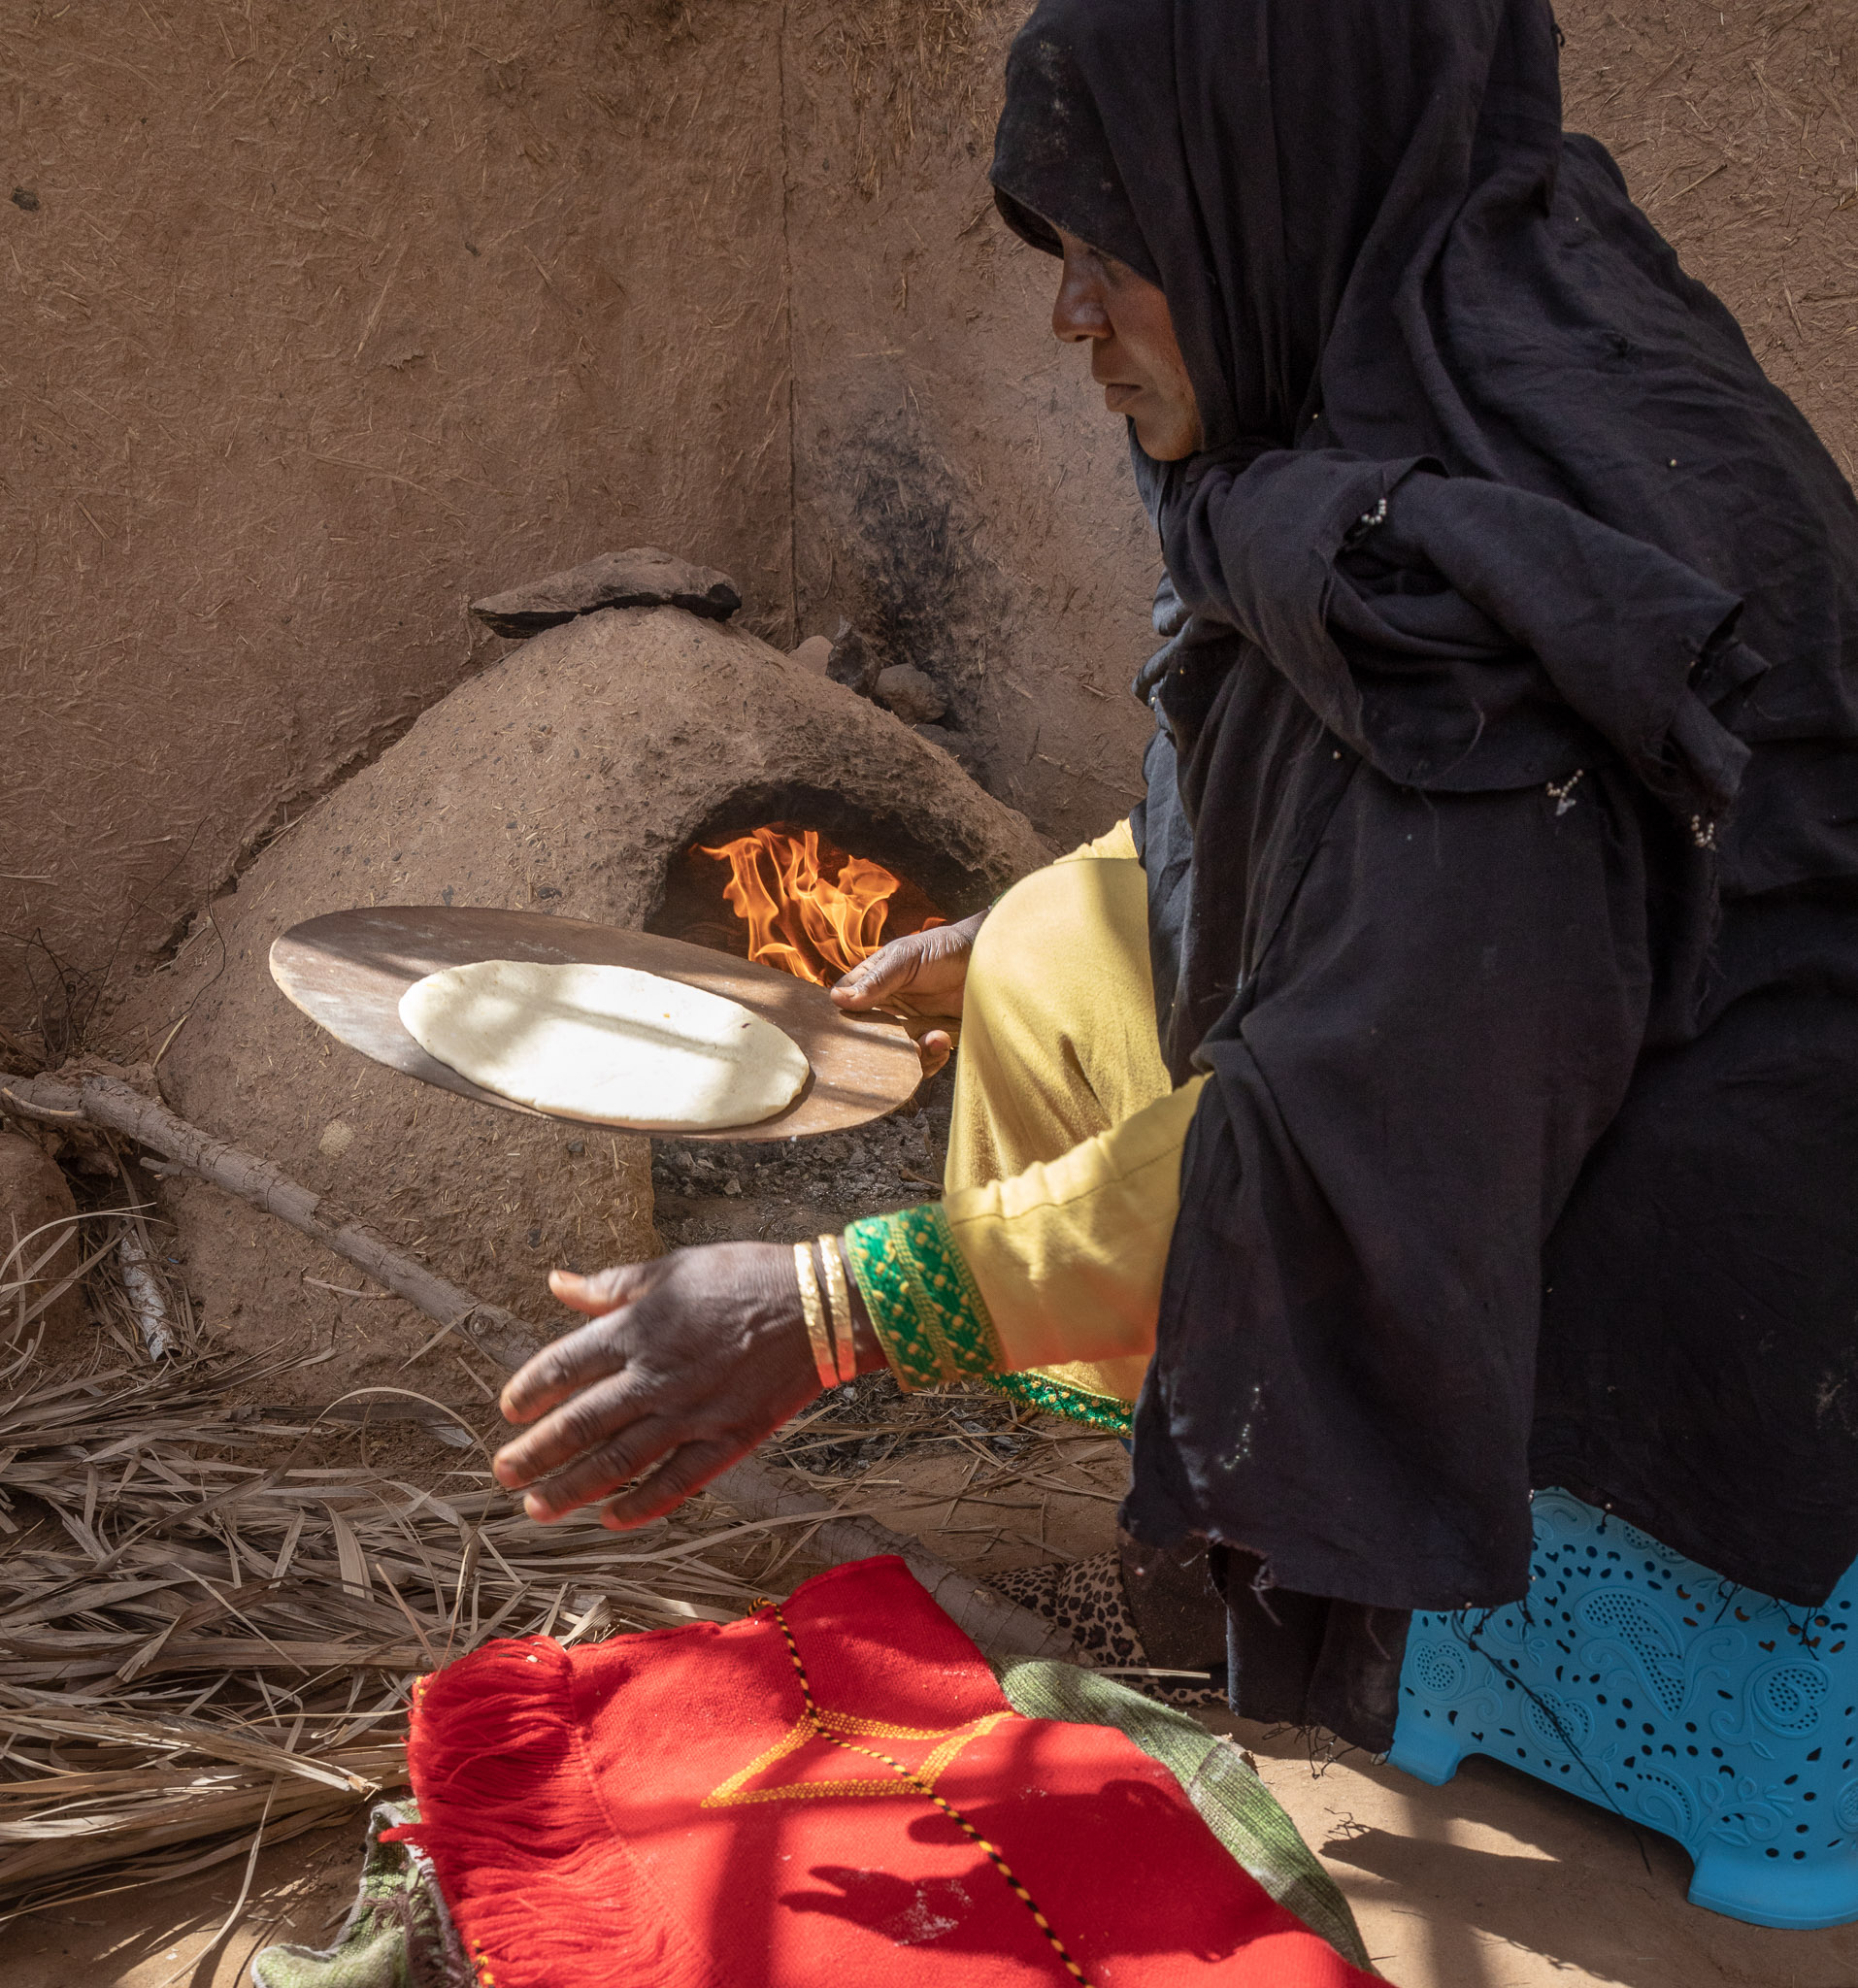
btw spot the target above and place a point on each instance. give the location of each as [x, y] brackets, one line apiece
[994, 1622]
[107, 1101]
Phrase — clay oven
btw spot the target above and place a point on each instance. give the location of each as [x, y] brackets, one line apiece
[576, 776]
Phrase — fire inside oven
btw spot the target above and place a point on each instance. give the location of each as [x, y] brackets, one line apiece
[791, 898]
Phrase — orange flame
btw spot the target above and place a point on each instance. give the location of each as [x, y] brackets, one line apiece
[799, 920]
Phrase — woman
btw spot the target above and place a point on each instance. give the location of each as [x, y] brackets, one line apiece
[1447, 1080]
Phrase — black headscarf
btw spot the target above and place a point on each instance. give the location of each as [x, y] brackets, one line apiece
[1381, 253]
[1493, 499]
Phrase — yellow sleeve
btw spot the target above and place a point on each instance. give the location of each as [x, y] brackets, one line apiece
[1115, 844]
[1069, 1255]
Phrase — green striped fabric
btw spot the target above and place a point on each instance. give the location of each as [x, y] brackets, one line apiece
[1234, 1804]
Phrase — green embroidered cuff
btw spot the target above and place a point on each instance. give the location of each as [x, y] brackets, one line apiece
[1039, 1391]
[927, 1309]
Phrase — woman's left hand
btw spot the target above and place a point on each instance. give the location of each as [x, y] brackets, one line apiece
[690, 1361]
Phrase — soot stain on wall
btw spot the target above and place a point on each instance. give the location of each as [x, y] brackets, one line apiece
[904, 565]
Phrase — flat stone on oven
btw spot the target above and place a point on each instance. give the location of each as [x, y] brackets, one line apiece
[642, 577]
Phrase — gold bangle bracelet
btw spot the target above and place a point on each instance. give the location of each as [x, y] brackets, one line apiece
[816, 1315]
[839, 1302]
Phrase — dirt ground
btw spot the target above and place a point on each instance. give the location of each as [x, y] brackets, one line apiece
[1493, 1881]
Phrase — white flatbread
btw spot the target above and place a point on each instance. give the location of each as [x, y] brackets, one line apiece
[610, 1043]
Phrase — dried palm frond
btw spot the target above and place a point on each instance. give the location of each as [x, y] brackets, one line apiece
[130, 1287]
[871, 1425]
[208, 1628]
[28, 1285]
[203, 1633]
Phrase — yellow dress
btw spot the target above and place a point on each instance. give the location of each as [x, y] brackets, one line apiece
[1042, 1269]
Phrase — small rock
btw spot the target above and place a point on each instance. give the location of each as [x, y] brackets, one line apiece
[642, 577]
[338, 1135]
[816, 654]
[915, 698]
[32, 1193]
[851, 662]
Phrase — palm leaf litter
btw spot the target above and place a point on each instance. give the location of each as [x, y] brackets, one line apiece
[208, 1625]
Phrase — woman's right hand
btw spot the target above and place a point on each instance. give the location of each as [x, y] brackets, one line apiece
[920, 977]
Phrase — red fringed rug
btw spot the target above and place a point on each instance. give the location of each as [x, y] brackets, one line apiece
[830, 1795]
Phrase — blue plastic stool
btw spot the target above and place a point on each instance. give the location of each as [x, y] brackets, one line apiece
[1643, 1682]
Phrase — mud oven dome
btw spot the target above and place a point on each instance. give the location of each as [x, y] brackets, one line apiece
[631, 725]
[811, 787]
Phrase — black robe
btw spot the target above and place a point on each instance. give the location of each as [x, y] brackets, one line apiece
[1501, 834]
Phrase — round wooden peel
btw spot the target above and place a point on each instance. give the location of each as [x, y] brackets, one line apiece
[347, 971]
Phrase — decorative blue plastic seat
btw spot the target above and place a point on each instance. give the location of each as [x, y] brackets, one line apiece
[1643, 1682]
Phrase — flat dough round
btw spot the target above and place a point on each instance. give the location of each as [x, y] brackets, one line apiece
[608, 1043]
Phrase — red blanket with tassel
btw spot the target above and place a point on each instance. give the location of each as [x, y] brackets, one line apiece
[833, 1793]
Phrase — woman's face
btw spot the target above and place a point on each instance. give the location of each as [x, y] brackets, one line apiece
[1133, 353]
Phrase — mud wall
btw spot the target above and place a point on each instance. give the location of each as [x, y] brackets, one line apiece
[962, 494]
[325, 320]
[1737, 128]
[321, 319]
